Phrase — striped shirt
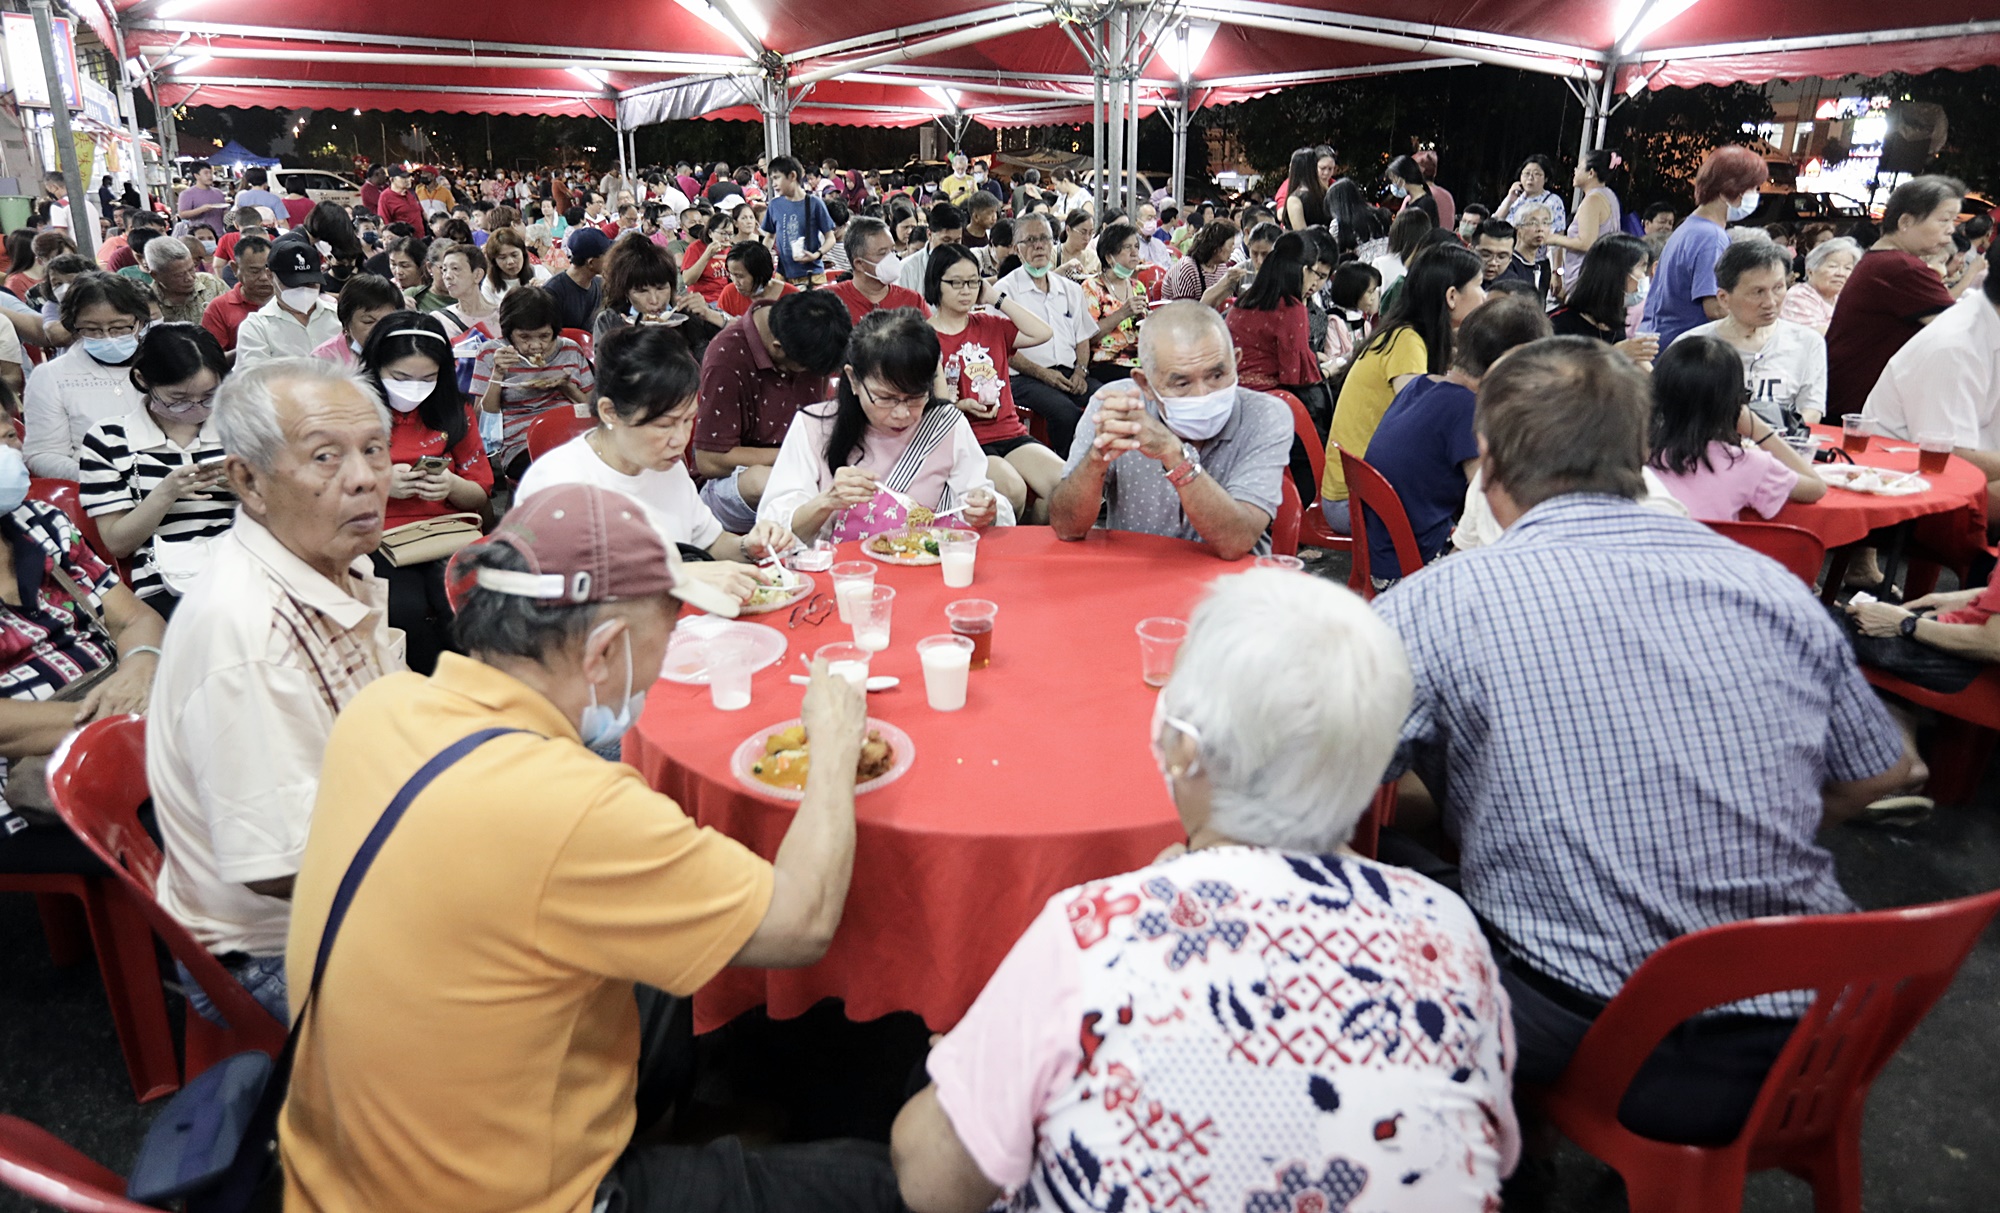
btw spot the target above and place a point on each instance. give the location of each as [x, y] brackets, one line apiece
[521, 405]
[1629, 720]
[124, 460]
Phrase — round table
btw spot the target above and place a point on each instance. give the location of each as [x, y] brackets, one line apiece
[1843, 517]
[1044, 780]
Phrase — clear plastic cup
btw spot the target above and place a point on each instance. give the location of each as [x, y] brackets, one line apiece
[1855, 432]
[1934, 452]
[853, 581]
[1159, 643]
[729, 670]
[973, 619]
[957, 556]
[1291, 564]
[947, 661]
[845, 660]
[870, 619]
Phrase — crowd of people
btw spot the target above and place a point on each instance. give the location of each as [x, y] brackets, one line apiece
[431, 476]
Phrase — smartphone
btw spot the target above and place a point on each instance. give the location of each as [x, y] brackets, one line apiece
[431, 463]
[210, 466]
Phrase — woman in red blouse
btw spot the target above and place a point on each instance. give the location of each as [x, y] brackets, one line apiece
[978, 331]
[1273, 336]
[439, 467]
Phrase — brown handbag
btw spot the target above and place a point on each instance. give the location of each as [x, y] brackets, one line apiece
[429, 539]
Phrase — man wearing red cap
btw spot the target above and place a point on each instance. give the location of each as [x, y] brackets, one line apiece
[474, 1044]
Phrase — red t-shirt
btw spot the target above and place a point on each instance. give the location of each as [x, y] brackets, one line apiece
[1982, 608]
[1273, 348]
[714, 279]
[1883, 305]
[225, 248]
[410, 438]
[297, 209]
[858, 304]
[975, 366]
[224, 315]
[733, 302]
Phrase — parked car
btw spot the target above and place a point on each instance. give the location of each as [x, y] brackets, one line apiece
[321, 186]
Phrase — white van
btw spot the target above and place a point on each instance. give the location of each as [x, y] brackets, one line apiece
[320, 186]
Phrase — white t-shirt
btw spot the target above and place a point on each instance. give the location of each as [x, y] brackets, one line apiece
[65, 397]
[270, 332]
[670, 498]
[1789, 372]
[1062, 307]
[1945, 380]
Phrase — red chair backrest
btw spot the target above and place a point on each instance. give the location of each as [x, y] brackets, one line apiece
[552, 429]
[581, 337]
[1876, 975]
[1381, 812]
[1285, 527]
[1307, 433]
[44, 1168]
[97, 780]
[66, 496]
[1796, 548]
[1368, 493]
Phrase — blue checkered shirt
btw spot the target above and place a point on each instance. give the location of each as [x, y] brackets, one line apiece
[1628, 720]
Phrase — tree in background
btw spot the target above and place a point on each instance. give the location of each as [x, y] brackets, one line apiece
[1662, 137]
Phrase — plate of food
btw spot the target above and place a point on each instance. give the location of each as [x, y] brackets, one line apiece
[1883, 482]
[776, 760]
[911, 546]
[687, 652]
[787, 587]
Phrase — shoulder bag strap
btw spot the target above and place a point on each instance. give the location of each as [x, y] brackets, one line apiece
[77, 595]
[937, 422]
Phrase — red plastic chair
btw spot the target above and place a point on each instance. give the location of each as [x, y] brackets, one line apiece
[1796, 548]
[97, 780]
[581, 337]
[44, 1168]
[1381, 812]
[1964, 742]
[1369, 493]
[1876, 976]
[67, 496]
[1285, 527]
[552, 429]
[1313, 530]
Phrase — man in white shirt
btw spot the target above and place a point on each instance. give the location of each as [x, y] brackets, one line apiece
[285, 627]
[1049, 379]
[299, 319]
[1946, 381]
[58, 191]
[947, 227]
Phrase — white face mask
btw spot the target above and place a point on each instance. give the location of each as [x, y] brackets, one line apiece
[1198, 418]
[600, 725]
[1160, 722]
[1739, 211]
[406, 394]
[299, 298]
[887, 269]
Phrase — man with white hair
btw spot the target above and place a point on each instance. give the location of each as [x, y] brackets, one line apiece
[1220, 1021]
[185, 291]
[1181, 449]
[286, 626]
[1050, 380]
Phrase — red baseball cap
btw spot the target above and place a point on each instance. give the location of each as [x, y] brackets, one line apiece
[586, 544]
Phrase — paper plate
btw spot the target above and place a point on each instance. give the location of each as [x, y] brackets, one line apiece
[753, 748]
[797, 594]
[1860, 478]
[687, 652]
[940, 533]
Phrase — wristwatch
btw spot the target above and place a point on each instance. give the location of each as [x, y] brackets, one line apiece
[1909, 625]
[1183, 473]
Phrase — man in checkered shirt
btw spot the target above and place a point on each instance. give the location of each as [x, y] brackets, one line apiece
[1633, 728]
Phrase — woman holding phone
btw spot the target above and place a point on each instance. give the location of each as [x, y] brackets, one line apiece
[438, 467]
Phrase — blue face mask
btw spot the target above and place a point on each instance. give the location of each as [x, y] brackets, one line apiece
[599, 725]
[1396, 188]
[112, 351]
[13, 479]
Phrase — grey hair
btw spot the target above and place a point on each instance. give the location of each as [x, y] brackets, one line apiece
[164, 251]
[1824, 250]
[1527, 213]
[1299, 691]
[246, 406]
[507, 625]
[1033, 217]
[1183, 322]
[860, 230]
[1743, 256]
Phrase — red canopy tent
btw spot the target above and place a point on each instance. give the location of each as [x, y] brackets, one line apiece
[867, 62]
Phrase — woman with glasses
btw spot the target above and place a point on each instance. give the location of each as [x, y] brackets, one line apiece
[92, 380]
[976, 342]
[850, 468]
[152, 479]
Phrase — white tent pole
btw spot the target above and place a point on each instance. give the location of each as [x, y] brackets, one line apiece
[79, 202]
[1114, 114]
[132, 116]
[915, 50]
[486, 62]
[1313, 29]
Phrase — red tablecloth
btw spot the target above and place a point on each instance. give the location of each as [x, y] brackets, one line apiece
[1842, 517]
[1042, 781]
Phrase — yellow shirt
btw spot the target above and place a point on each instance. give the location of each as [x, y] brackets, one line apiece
[474, 1043]
[1367, 394]
[957, 188]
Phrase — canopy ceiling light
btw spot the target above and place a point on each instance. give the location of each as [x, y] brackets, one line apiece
[718, 13]
[1633, 21]
[1183, 49]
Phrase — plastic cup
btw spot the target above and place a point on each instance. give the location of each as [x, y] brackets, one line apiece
[1933, 452]
[853, 581]
[957, 557]
[973, 619]
[1290, 564]
[1854, 434]
[1159, 643]
[844, 660]
[946, 660]
[729, 672]
[870, 618]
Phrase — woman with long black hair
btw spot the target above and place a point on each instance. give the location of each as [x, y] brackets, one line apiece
[1414, 339]
[1305, 188]
[885, 432]
[1407, 181]
[439, 467]
[1606, 288]
[1716, 456]
[1355, 224]
[1272, 332]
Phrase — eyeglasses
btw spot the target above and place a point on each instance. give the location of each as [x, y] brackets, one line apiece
[125, 329]
[959, 283]
[1034, 241]
[893, 403]
[813, 610]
